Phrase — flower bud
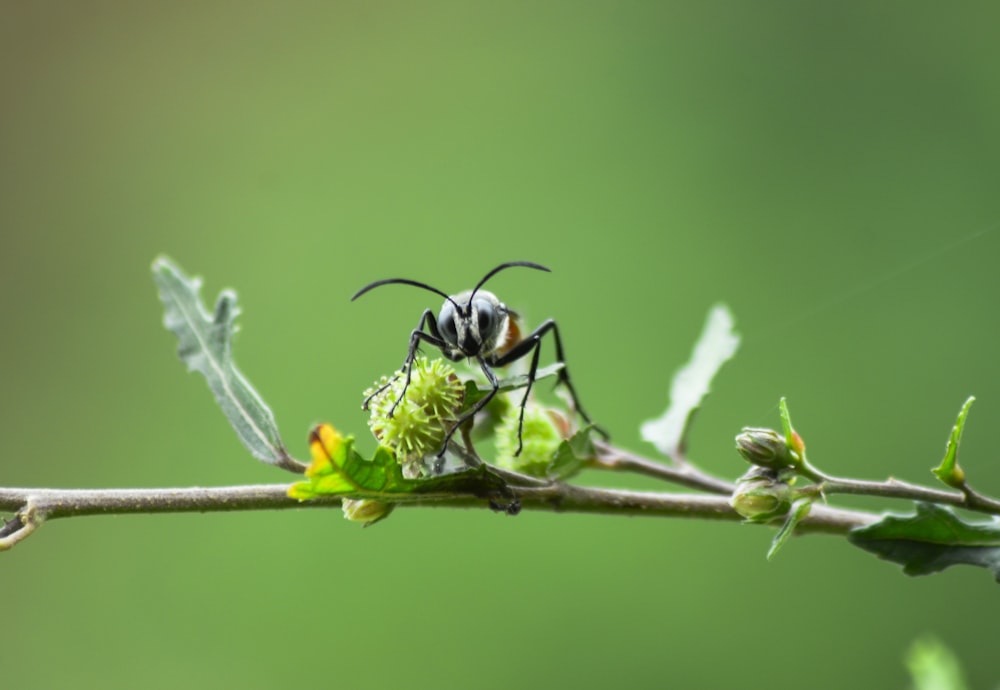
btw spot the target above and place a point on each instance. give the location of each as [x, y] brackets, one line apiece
[761, 493]
[764, 448]
[539, 439]
[365, 510]
[424, 415]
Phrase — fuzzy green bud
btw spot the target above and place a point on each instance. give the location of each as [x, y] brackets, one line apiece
[762, 493]
[365, 510]
[423, 416]
[543, 431]
[764, 448]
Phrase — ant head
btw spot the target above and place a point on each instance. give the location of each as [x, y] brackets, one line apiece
[472, 322]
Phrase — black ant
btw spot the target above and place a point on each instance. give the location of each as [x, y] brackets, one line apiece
[476, 325]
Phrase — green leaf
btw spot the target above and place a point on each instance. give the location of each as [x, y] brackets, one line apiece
[799, 510]
[338, 470]
[949, 470]
[205, 345]
[786, 421]
[716, 345]
[476, 389]
[572, 455]
[796, 447]
[932, 540]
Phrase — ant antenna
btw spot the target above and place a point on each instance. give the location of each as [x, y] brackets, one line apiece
[509, 264]
[403, 281]
[425, 286]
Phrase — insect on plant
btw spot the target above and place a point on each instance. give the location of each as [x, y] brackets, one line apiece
[475, 325]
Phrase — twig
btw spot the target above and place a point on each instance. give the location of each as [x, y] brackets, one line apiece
[686, 474]
[896, 488]
[568, 498]
[35, 506]
[20, 527]
[38, 505]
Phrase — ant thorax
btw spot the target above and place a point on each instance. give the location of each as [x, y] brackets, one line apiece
[473, 328]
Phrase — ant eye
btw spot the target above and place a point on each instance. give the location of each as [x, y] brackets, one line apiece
[485, 321]
[486, 314]
[446, 323]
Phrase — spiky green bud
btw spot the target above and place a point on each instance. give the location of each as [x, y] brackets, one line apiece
[426, 413]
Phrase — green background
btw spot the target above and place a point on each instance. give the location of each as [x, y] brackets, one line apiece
[821, 167]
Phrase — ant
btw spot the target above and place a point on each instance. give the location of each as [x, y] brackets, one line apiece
[475, 325]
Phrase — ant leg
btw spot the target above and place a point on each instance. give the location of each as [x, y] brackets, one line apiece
[532, 371]
[533, 340]
[367, 403]
[416, 335]
[470, 413]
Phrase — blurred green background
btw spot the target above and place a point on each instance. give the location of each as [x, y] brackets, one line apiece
[821, 167]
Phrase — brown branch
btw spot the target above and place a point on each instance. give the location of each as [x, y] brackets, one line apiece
[35, 506]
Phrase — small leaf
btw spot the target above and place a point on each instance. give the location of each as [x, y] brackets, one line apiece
[932, 540]
[572, 455]
[949, 470]
[793, 442]
[476, 389]
[338, 470]
[716, 345]
[786, 420]
[799, 510]
[205, 345]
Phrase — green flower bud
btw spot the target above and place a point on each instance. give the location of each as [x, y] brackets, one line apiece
[761, 494]
[764, 448]
[426, 413]
[544, 429]
[365, 510]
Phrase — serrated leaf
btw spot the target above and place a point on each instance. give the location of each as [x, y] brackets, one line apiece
[799, 510]
[716, 345]
[205, 345]
[932, 540]
[338, 470]
[949, 470]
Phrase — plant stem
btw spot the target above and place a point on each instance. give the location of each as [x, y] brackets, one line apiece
[568, 498]
[35, 506]
[612, 458]
[895, 488]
